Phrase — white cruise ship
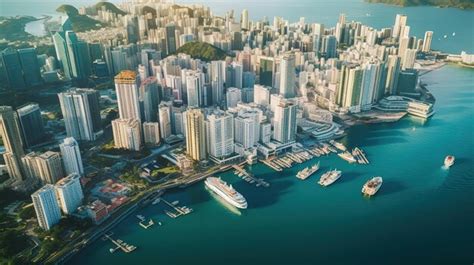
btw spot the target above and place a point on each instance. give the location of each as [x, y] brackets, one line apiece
[372, 186]
[420, 109]
[329, 177]
[227, 192]
[307, 172]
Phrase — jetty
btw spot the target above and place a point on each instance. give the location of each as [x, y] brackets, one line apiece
[360, 156]
[179, 210]
[245, 175]
[272, 165]
[120, 244]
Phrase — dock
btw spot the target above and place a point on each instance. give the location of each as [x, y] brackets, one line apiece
[120, 244]
[245, 175]
[272, 165]
[360, 156]
[179, 210]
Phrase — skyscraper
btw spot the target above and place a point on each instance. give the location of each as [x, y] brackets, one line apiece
[31, 124]
[71, 155]
[127, 134]
[170, 38]
[233, 97]
[165, 120]
[218, 81]
[50, 167]
[195, 134]
[126, 87]
[69, 192]
[350, 87]
[148, 99]
[81, 113]
[266, 71]
[244, 21]
[261, 95]
[220, 128]
[10, 131]
[61, 47]
[284, 123]
[30, 66]
[13, 70]
[393, 70]
[46, 206]
[400, 23]
[427, 41]
[195, 89]
[287, 76]
[329, 47]
[151, 133]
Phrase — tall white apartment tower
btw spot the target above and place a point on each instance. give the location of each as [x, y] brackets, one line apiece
[46, 206]
[69, 192]
[72, 159]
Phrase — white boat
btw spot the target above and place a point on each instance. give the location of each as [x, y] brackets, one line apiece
[348, 157]
[141, 217]
[307, 172]
[338, 145]
[156, 201]
[329, 177]
[372, 186]
[449, 161]
[227, 192]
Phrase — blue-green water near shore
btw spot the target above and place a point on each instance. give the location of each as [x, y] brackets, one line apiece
[423, 214]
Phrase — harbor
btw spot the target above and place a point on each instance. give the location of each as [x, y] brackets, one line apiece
[178, 210]
[119, 244]
[248, 177]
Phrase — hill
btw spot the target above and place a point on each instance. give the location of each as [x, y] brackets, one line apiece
[110, 7]
[79, 22]
[463, 4]
[203, 51]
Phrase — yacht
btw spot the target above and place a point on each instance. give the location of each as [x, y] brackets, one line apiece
[329, 177]
[372, 186]
[449, 161]
[348, 157]
[338, 145]
[227, 192]
[307, 172]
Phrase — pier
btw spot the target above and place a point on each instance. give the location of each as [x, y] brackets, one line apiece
[120, 245]
[179, 210]
[241, 172]
[360, 156]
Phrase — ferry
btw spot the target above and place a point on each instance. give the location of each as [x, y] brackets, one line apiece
[329, 177]
[372, 186]
[338, 145]
[227, 192]
[348, 157]
[449, 161]
[307, 172]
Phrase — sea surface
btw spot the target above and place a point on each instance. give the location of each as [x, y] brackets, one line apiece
[423, 213]
[443, 21]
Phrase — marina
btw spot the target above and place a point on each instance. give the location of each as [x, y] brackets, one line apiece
[178, 210]
[120, 244]
[143, 222]
[249, 178]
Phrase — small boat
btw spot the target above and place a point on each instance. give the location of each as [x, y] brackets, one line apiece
[449, 161]
[175, 203]
[141, 217]
[372, 186]
[454, 34]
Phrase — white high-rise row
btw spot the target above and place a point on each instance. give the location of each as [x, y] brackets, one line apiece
[151, 133]
[400, 22]
[81, 112]
[126, 87]
[195, 88]
[284, 123]
[233, 96]
[220, 128]
[218, 80]
[261, 95]
[50, 167]
[71, 155]
[69, 192]
[127, 134]
[427, 41]
[165, 120]
[245, 19]
[46, 206]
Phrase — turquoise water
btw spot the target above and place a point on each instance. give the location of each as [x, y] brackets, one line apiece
[443, 21]
[423, 214]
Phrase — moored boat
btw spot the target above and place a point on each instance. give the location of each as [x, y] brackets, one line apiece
[372, 186]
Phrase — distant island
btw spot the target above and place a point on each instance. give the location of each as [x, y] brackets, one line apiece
[80, 23]
[462, 4]
[203, 51]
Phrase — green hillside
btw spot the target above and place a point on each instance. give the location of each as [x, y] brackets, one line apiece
[79, 22]
[110, 7]
[203, 51]
[463, 4]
